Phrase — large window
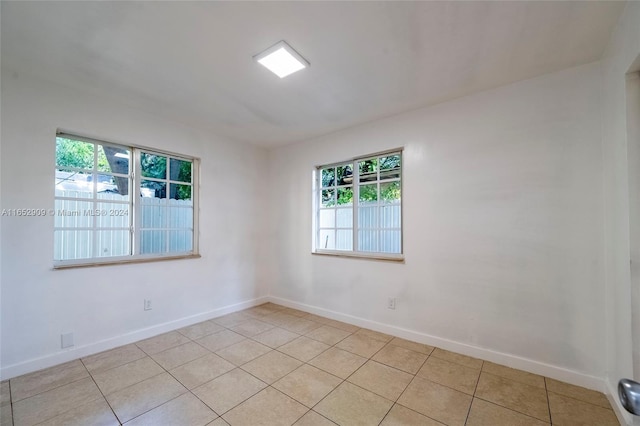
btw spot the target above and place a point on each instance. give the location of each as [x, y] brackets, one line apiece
[359, 206]
[116, 203]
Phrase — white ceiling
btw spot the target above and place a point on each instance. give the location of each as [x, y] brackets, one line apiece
[192, 61]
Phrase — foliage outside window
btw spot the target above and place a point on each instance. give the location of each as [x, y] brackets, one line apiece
[115, 203]
[359, 206]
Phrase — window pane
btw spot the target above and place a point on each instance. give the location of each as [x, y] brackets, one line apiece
[113, 243]
[368, 170]
[390, 216]
[153, 189]
[368, 193]
[153, 242]
[112, 215]
[344, 239]
[72, 153]
[368, 217]
[390, 241]
[154, 213]
[328, 218]
[327, 239]
[180, 241]
[390, 192]
[70, 245]
[345, 174]
[153, 166]
[390, 162]
[345, 196]
[73, 184]
[181, 193]
[113, 160]
[72, 214]
[180, 170]
[328, 197]
[344, 218]
[181, 217]
[368, 240]
[328, 177]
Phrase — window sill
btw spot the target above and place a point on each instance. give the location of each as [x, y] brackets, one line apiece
[121, 261]
[397, 258]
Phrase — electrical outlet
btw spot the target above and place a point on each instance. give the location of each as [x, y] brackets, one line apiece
[66, 340]
[391, 303]
[147, 304]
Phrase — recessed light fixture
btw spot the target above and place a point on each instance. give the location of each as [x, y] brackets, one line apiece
[281, 59]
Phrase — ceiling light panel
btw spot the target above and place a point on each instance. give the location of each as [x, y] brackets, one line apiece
[281, 59]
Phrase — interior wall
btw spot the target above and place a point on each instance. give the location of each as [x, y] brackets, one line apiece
[503, 224]
[621, 53]
[103, 306]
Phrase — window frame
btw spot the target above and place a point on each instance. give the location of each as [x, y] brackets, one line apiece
[317, 207]
[135, 218]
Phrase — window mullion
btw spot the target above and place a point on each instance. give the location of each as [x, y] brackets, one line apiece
[137, 202]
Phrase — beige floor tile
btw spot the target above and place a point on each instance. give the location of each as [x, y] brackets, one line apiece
[117, 378]
[328, 335]
[313, 419]
[414, 346]
[295, 312]
[402, 416]
[374, 335]
[271, 366]
[338, 362]
[162, 342]
[252, 327]
[568, 411]
[307, 384]
[280, 318]
[526, 399]
[450, 374]
[6, 415]
[351, 405]
[576, 392]
[220, 340]
[259, 311]
[436, 401]
[316, 318]
[383, 380]
[484, 413]
[275, 337]
[243, 352]
[230, 320]
[201, 329]
[50, 378]
[401, 358]
[174, 357]
[229, 390]
[218, 422]
[46, 405]
[467, 361]
[5, 393]
[361, 345]
[185, 410]
[300, 325]
[135, 400]
[113, 358]
[94, 413]
[269, 408]
[341, 325]
[303, 348]
[201, 370]
[513, 374]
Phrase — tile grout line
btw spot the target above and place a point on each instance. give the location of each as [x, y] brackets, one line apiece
[473, 396]
[101, 393]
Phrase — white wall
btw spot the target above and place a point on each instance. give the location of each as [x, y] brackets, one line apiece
[103, 306]
[622, 51]
[503, 224]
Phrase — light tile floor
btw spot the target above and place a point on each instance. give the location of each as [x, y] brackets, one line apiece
[271, 365]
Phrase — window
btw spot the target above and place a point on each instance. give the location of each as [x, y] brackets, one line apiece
[359, 207]
[116, 203]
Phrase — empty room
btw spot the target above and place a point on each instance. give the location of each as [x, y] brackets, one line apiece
[320, 213]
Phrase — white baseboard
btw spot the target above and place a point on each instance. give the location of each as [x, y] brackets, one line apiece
[35, 364]
[574, 377]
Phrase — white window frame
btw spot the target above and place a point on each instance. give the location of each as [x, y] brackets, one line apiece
[135, 218]
[317, 207]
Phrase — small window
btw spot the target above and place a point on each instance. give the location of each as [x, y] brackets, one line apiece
[359, 207]
[116, 203]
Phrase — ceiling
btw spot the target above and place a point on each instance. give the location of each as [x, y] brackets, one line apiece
[192, 61]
